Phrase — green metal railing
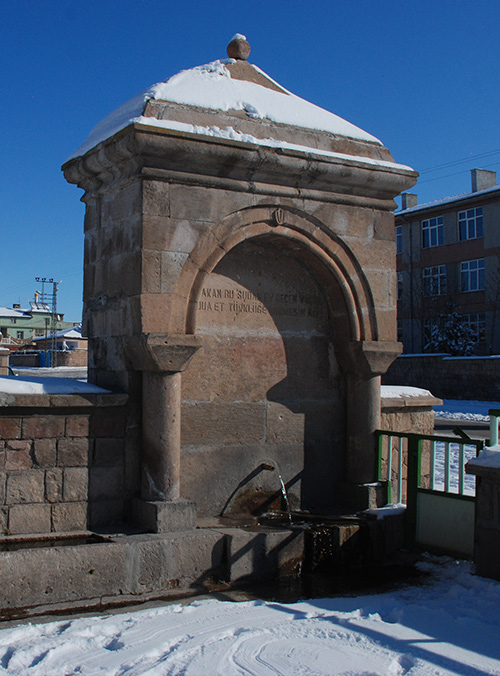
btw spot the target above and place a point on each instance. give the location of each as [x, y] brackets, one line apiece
[400, 462]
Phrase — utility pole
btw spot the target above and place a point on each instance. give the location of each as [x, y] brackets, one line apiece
[50, 301]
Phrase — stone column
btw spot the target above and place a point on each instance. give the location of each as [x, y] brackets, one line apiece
[487, 517]
[4, 361]
[363, 363]
[162, 359]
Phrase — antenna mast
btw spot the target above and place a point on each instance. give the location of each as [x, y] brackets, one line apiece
[49, 300]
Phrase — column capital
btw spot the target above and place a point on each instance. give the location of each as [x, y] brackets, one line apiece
[161, 353]
[368, 358]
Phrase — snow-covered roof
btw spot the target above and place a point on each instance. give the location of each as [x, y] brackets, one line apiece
[447, 200]
[11, 312]
[220, 86]
[29, 385]
[72, 332]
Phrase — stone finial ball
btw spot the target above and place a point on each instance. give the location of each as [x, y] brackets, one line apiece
[238, 48]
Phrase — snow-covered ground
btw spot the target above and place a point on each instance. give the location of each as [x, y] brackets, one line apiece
[449, 623]
[446, 624]
[468, 411]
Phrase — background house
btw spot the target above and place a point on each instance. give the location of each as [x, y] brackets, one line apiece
[448, 262]
[19, 326]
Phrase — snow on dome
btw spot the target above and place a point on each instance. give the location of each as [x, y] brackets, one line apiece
[212, 87]
[238, 36]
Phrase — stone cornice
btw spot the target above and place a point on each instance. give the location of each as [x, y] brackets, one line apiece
[145, 150]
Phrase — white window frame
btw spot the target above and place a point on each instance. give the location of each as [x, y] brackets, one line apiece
[470, 224]
[472, 275]
[434, 280]
[432, 232]
[399, 239]
[477, 322]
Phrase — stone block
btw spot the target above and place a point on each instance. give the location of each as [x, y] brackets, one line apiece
[105, 483]
[263, 555]
[77, 426]
[4, 519]
[67, 517]
[10, 428]
[75, 486]
[41, 426]
[73, 452]
[108, 452]
[106, 424]
[171, 266]
[44, 451]
[54, 485]
[25, 487]
[105, 513]
[26, 519]
[18, 455]
[213, 423]
[151, 271]
[165, 517]
[3, 481]
[194, 203]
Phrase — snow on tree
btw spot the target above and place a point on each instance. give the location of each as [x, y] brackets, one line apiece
[452, 335]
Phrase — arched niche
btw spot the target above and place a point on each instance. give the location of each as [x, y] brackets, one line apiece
[273, 304]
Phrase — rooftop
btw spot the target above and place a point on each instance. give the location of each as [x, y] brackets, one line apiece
[220, 99]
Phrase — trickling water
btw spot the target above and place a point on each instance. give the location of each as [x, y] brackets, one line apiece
[272, 468]
[285, 497]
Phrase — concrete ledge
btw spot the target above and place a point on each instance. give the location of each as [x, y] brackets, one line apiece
[62, 400]
[140, 566]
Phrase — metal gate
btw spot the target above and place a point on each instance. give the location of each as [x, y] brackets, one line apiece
[427, 473]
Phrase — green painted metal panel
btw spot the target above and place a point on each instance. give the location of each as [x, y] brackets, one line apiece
[445, 521]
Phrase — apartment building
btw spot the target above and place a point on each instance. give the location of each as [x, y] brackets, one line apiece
[448, 261]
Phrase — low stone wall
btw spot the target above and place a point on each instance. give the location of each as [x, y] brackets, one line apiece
[77, 357]
[406, 413]
[63, 462]
[448, 377]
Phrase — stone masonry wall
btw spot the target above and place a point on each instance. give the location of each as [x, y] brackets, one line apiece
[448, 377]
[62, 464]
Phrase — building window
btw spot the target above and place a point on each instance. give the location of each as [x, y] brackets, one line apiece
[400, 331]
[470, 224]
[13, 320]
[472, 275]
[429, 327]
[39, 332]
[399, 239]
[400, 285]
[20, 335]
[434, 280]
[432, 232]
[477, 322]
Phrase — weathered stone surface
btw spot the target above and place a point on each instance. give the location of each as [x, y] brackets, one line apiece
[10, 428]
[75, 487]
[44, 451]
[77, 426]
[27, 486]
[54, 485]
[108, 452]
[67, 517]
[29, 518]
[39, 427]
[18, 455]
[73, 452]
[105, 483]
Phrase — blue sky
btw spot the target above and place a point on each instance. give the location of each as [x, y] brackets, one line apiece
[423, 77]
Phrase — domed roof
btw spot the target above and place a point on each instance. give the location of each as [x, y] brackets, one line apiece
[235, 100]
